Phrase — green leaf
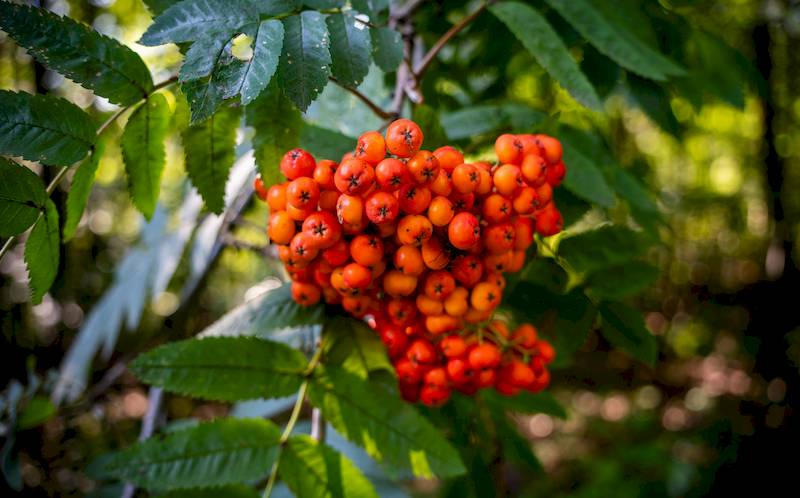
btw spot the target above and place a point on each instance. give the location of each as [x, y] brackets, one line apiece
[204, 96]
[428, 119]
[623, 280]
[323, 4]
[373, 8]
[159, 6]
[36, 412]
[654, 100]
[143, 152]
[43, 128]
[527, 402]
[564, 319]
[387, 48]
[584, 178]
[230, 491]
[390, 430]
[81, 187]
[210, 152]
[615, 41]
[605, 246]
[42, 252]
[22, 198]
[191, 20]
[624, 327]
[314, 470]
[80, 53]
[350, 48]
[223, 368]
[271, 312]
[267, 47]
[277, 123]
[547, 48]
[325, 143]
[225, 451]
[355, 347]
[631, 189]
[470, 121]
[203, 56]
[305, 61]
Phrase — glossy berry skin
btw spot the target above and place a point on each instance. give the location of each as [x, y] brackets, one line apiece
[448, 157]
[323, 228]
[408, 260]
[464, 231]
[366, 250]
[297, 163]
[440, 211]
[302, 193]
[550, 148]
[414, 199]
[466, 178]
[391, 174]
[281, 228]
[276, 197]
[354, 176]
[371, 147]
[508, 149]
[305, 294]
[382, 207]
[403, 138]
[260, 188]
[423, 167]
[324, 173]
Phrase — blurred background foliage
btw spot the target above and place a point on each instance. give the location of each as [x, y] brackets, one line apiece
[719, 148]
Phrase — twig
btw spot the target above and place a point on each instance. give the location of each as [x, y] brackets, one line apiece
[148, 426]
[317, 425]
[363, 98]
[420, 69]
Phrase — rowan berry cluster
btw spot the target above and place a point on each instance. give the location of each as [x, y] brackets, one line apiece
[417, 243]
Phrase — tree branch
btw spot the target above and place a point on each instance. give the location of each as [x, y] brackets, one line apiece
[426, 61]
[363, 98]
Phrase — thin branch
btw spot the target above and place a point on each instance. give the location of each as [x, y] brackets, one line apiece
[363, 98]
[317, 425]
[419, 70]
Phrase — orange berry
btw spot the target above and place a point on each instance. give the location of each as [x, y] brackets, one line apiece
[525, 336]
[439, 284]
[323, 228]
[441, 324]
[366, 250]
[435, 254]
[456, 303]
[371, 147]
[464, 231]
[260, 188]
[526, 200]
[324, 174]
[305, 294]
[281, 228]
[357, 306]
[508, 149]
[350, 209]
[549, 221]
[442, 184]
[357, 276]
[276, 197]
[354, 176]
[297, 163]
[423, 166]
[337, 254]
[498, 262]
[408, 259]
[499, 238]
[391, 174]
[440, 211]
[496, 208]
[397, 284]
[298, 214]
[414, 229]
[448, 157]
[485, 296]
[403, 138]
[523, 228]
[302, 193]
[534, 170]
[382, 207]
[507, 178]
[517, 261]
[414, 199]
[476, 316]
[545, 194]
[429, 306]
[529, 145]
[467, 269]
[466, 178]
[556, 173]
[303, 247]
[486, 183]
[550, 148]
[328, 199]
